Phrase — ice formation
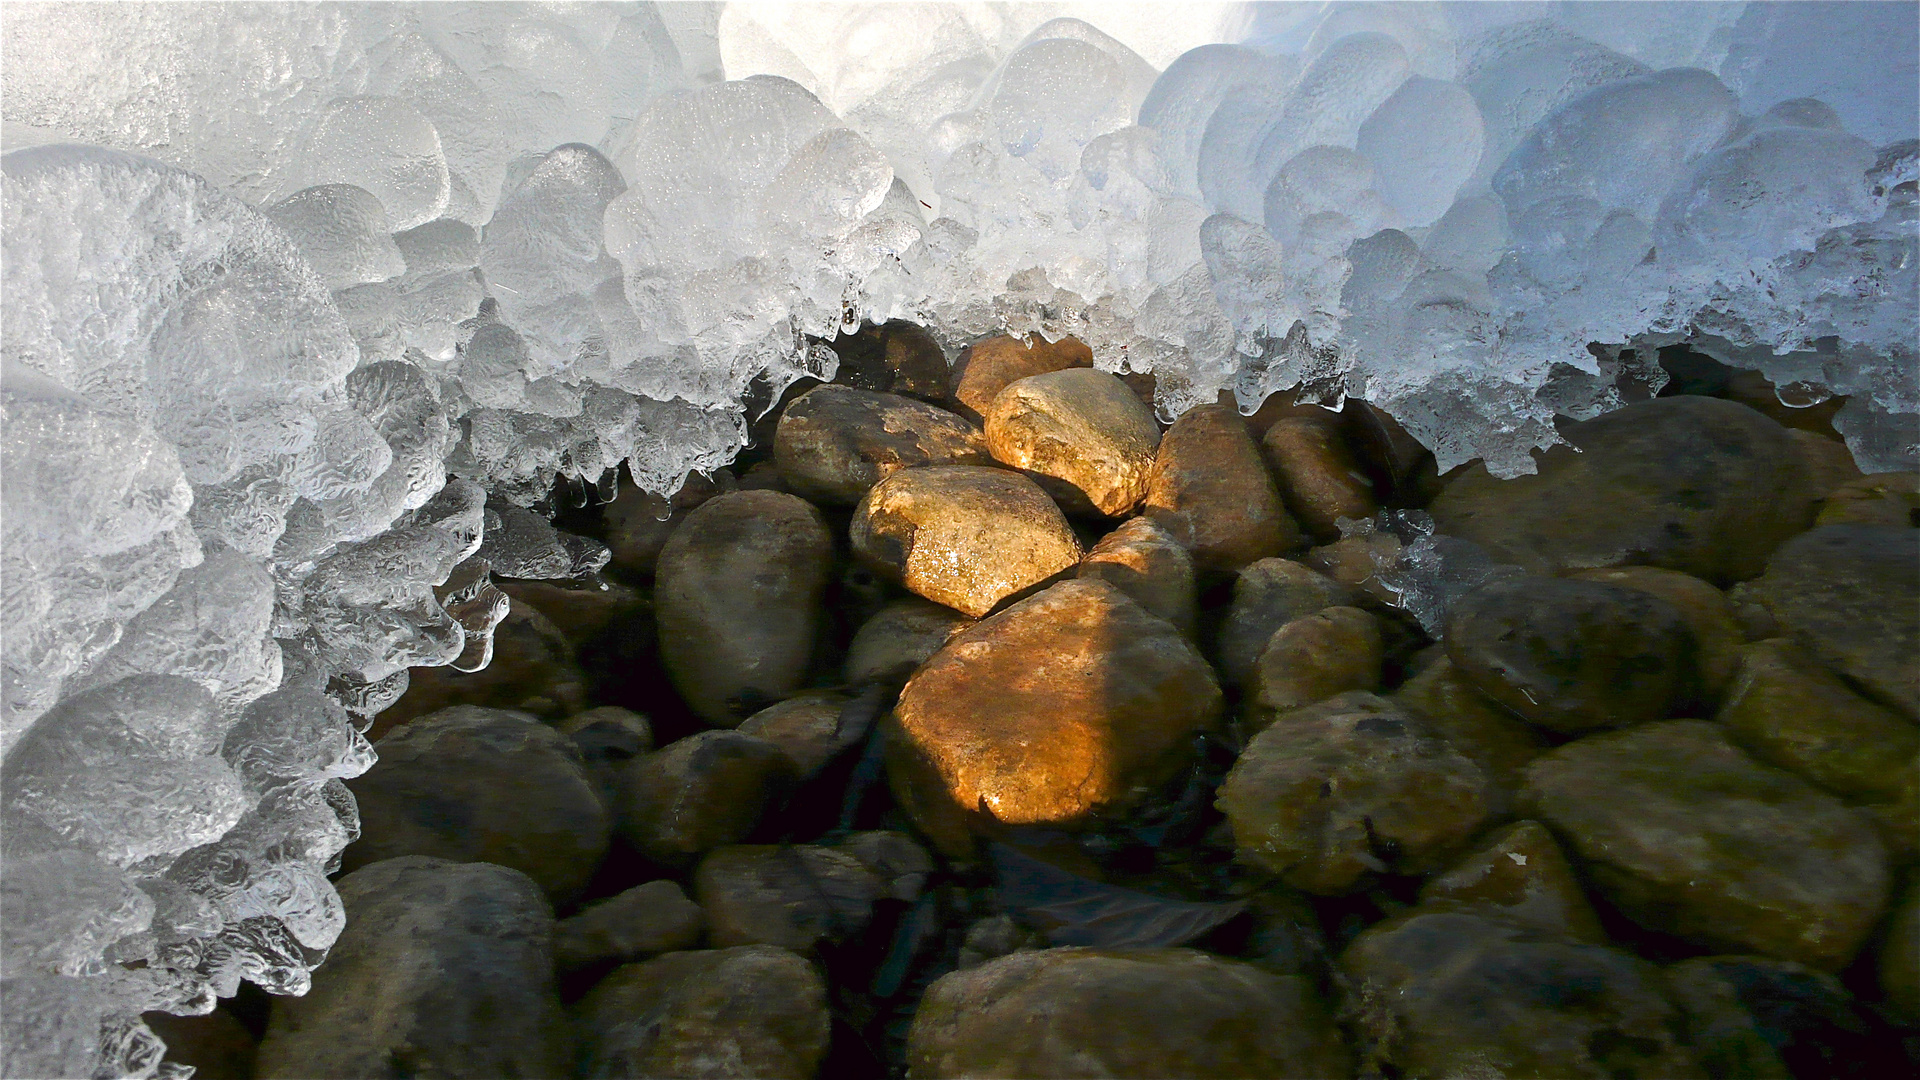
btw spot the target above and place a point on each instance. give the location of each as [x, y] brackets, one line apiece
[304, 302]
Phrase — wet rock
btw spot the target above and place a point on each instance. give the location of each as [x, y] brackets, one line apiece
[1802, 718]
[700, 793]
[1268, 595]
[1687, 835]
[216, 1046]
[1144, 561]
[836, 442]
[897, 357]
[1352, 785]
[607, 737]
[1519, 874]
[445, 969]
[483, 785]
[963, 536]
[804, 726]
[1880, 499]
[1355, 561]
[1314, 657]
[643, 921]
[1754, 1018]
[900, 863]
[1828, 462]
[1145, 1012]
[638, 523]
[899, 638]
[1320, 481]
[1081, 434]
[793, 896]
[1849, 595]
[991, 365]
[1058, 708]
[1457, 993]
[738, 598]
[1285, 935]
[748, 1012]
[1716, 635]
[992, 938]
[534, 670]
[1485, 732]
[1899, 958]
[1570, 655]
[1694, 484]
[1210, 488]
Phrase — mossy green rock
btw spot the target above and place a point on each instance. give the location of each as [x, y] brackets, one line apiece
[1850, 595]
[1755, 1019]
[1075, 1012]
[1802, 718]
[1519, 874]
[1495, 739]
[1689, 836]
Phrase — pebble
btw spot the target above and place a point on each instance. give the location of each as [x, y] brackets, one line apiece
[1332, 651]
[989, 366]
[1081, 434]
[644, 921]
[1320, 481]
[699, 793]
[1518, 873]
[1848, 595]
[1267, 595]
[793, 896]
[1211, 490]
[1144, 561]
[804, 726]
[835, 442]
[899, 638]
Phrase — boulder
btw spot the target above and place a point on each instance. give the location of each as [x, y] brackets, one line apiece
[1320, 480]
[700, 793]
[1081, 434]
[1518, 873]
[1210, 488]
[1849, 595]
[899, 638]
[1332, 651]
[835, 442]
[1144, 561]
[643, 921]
[1267, 595]
[793, 896]
[989, 366]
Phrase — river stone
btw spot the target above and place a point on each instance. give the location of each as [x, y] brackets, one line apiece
[1464, 994]
[1802, 718]
[1519, 874]
[1350, 785]
[483, 785]
[793, 896]
[1484, 731]
[1081, 434]
[1071, 1012]
[1716, 635]
[835, 442]
[899, 638]
[1688, 836]
[1144, 561]
[1850, 595]
[896, 356]
[534, 670]
[638, 523]
[1570, 655]
[1899, 958]
[1211, 489]
[1316, 656]
[643, 921]
[699, 793]
[899, 861]
[1268, 595]
[1877, 499]
[805, 726]
[1754, 1018]
[444, 969]
[607, 737]
[990, 366]
[1695, 484]
[738, 598]
[1064, 705]
[1320, 481]
[748, 1012]
[963, 536]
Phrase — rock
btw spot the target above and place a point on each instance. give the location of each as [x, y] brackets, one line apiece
[793, 896]
[643, 921]
[638, 523]
[610, 626]
[1486, 733]
[900, 863]
[1144, 561]
[1211, 490]
[1314, 657]
[1694, 484]
[607, 737]
[1081, 434]
[700, 793]
[1355, 561]
[1570, 655]
[483, 785]
[1268, 595]
[992, 938]
[1518, 874]
[1353, 784]
[763, 476]
[534, 670]
[753, 1011]
[445, 969]
[1849, 595]
[1137, 1012]
[1828, 462]
[836, 442]
[216, 1046]
[804, 726]
[1749, 1017]
[1688, 836]
[899, 638]
[896, 357]
[991, 365]
[1879, 499]
[1320, 481]
[738, 597]
[1757, 392]
[1458, 993]
[1716, 635]
[1899, 958]
[1802, 718]
[963, 536]
[1058, 708]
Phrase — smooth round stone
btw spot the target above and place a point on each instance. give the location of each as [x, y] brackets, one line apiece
[963, 536]
[1492, 737]
[1081, 433]
[1878, 499]
[899, 638]
[899, 861]
[533, 670]
[989, 366]
[1210, 488]
[835, 442]
[1268, 595]
[1752, 1017]
[1850, 596]
[1518, 873]
[637, 524]
[607, 737]
[1139, 1013]
[738, 596]
[1314, 657]
[1802, 718]
[1688, 836]
[805, 726]
[700, 793]
[793, 896]
[643, 921]
[1320, 480]
[1570, 655]
[1144, 561]
[1716, 635]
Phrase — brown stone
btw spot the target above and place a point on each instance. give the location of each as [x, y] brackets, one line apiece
[1850, 596]
[804, 726]
[1520, 874]
[836, 442]
[989, 366]
[899, 638]
[1481, 729]
[1802, 718]
[1081, 434]
[1332, 651]
[1879, 499]
[1716, 635]
[699, 793]
[1320, 481]
[1211, 489]
[1144, 561]
[900, 863]
[1355, 561]
[643, 921]
[1267, 595]
[534, 670]
[793, 896]
[638, 523]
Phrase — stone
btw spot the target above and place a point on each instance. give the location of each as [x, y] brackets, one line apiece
[1899, 958]
[793, 896]
[738, 596]
[805, 727]
[1210, 488]
[1802, 718]
[748, 1012]
[216, 1046]
[1518, 873]
[644, 921]
[609, 625]
[900, 863]
[1828, 462]
[1482, 730]
[1081, 434]
[1133, 1012]
[1688, 836]
[989, 366]
[1753, 1018]
[1320, 480]
[700, 793]
[638, 523]
[483, 785]
[1878, 499]
[444, 969]
[1695, 484]
[1144, 561]
[896, 357]
[1355, 561]
[1351, 785]
[835, 442]
[1460, 993]
[1268, 595]
[964, 536]
[899, 638]
[534, 670]
[607, 737]
[1570, 655]
[1850, 596]
[992, 938]
[1059, 708]
[1332, 651]
[1717, 637]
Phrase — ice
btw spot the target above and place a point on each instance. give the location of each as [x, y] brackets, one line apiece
[1425, 142]
[343, 232]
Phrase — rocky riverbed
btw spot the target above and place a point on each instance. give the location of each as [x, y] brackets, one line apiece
[978, 723]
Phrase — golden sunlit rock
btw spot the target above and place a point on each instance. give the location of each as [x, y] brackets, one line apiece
[1084, 434]
[989, 366]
